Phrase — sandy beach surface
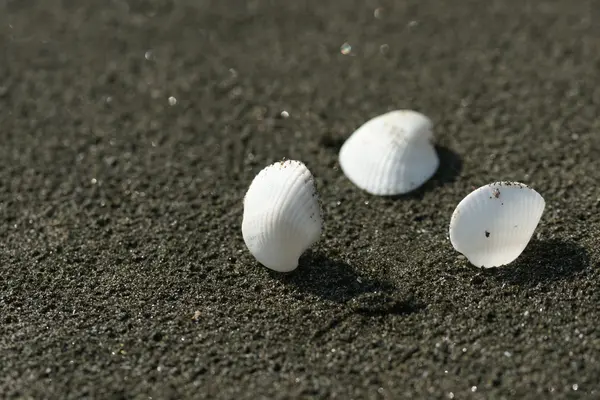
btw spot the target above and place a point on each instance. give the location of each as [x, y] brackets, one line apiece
[130, 131]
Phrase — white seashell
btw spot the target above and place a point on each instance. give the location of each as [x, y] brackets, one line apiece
[390, 154]
[282, 216]
[493, 224]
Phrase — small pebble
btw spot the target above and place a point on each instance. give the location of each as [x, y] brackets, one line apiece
[346, 49]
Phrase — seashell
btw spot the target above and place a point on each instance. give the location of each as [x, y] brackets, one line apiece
[493, 224]
[390, 154]
[282, 216]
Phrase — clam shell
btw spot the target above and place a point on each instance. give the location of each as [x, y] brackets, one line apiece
[493, 224]
[390, 154]
[282, 216]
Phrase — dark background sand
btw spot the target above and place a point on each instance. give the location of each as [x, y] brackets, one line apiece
[123, 273]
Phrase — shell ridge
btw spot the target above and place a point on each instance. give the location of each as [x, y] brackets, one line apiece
[252, 222]
[378, 174]
[304, 184]
[302, 203]
[397, 162]
[312, 213]
[276, 209]
[394, 161]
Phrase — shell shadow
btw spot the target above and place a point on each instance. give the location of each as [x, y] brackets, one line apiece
[542, 261]
[332, 143]
[331, 279]
[448, 171]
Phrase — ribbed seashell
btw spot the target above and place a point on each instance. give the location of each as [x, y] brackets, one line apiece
[390, 154]
[282, 216]
[493, 224]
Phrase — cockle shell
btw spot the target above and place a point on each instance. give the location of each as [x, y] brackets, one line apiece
[282, 216]
[493, 224]
[390, 154]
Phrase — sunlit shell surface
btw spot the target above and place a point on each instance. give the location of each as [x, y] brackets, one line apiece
[390, 154]
[282, 216]
[493, 224]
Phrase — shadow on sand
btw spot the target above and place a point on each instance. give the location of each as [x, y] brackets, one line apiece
[542, 261]
[337, 281]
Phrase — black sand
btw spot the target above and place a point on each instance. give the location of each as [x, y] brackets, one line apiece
[123, 271]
